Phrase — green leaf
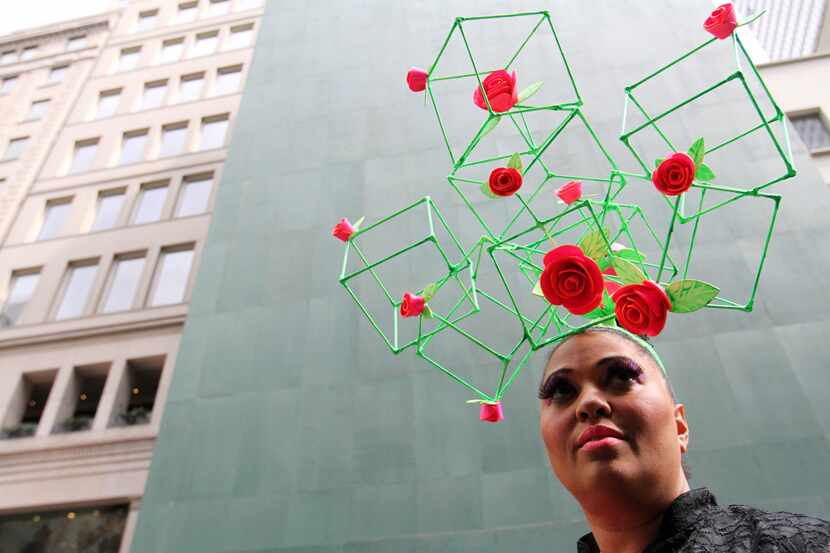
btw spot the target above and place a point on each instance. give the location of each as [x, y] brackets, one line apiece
[491, 124]
[529, 91]
[704, 173]
[359, 222]
[696, 151]
[627, 272]
[690, 295]
[593, 244]
[485, 189]
[605, 308]
[427, 312]
[515, 162]
[429, 291]
[631, 255]
[658, 161]
[537, 289]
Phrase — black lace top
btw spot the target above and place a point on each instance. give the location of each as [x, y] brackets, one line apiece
[695, 522]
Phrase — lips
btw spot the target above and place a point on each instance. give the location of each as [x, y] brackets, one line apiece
[597, 432]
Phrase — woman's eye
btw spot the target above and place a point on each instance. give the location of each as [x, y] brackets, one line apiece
[624, 372]
[552, 387]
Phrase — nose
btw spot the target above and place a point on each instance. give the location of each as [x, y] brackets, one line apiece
[592, 406]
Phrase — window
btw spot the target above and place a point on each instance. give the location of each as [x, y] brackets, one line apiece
[87, 385]
[21, 289]
[84, 156]
[79, 280]
[23, 416]
[15, 148]
[150, 203]
[228, 80]
[173, 139]
[187, 12]
[172, 274]
[133, 146]
[37, 110]
[218, 7]
[28, 53]
[47, 530]
[8, 84]
[54, 217]
[57, 74]
[194, 195]
[190, 87]
[153, 94]
[213, 132]
[813, 131]
[171, 50]
[206, 43]
[108, 102]
[76, 43]
[124, 278]
[8, 57]
[240, 37]
[146, 21]
[138, 397]
[129, 58]
[108, 210]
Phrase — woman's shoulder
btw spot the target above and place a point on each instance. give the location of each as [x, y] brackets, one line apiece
[790, 532]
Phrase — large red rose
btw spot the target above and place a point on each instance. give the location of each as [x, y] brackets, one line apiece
[674, 175]
[572, 279]
[642, 308]
[501, 91]
[505, 181]
[722, 21]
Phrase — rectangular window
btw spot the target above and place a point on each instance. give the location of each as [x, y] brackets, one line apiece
[8, 85]
[190, 87]
[16, 148]
[218, 7]
[240, 37]
[213, 132]
[54, 218]
[108, 210]
[83, 157]
[129, 58]
[37, 110]
[21, 289]
[228, 80]
[153, 94]
[76, 43]
[123, 285]
[173, 139]
[187, 12]
[57, 74]
[206, 43]
[28, 53]
[172, 273]
[133, 146]
[23, 418]
[812, 130]
[150, 203]
[194, 195]
[9, 56]
[171, 50]
[79, 280]
[52, 527]
[143, 377]
[88, 383]
[146, 21]
[108, 102]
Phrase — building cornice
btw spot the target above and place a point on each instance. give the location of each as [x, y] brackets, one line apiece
[21, 38]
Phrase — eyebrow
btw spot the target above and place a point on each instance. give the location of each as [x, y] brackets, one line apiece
[605, 361]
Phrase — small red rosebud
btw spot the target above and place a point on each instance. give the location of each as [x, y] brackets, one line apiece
[570, 192]
[491, 412]
[412, 305]
[416, 78]
[722, 22]
[343, 230]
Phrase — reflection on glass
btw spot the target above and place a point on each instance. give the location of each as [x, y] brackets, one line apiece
[150, 204]
[84, 156]
[109, 208]
[77, 291]
[173, 272]
[132, 149]
[173, 140]
[227, 80]
[153, 95]
[21, 289]
[108, 103]
[190, 88]
[53, 219]
[193, 199]
[97, 530]
[126, 274]
[213, 134]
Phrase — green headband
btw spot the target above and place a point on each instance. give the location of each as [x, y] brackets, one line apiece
[639, 341]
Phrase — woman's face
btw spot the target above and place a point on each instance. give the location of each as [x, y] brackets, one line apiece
[602, 378]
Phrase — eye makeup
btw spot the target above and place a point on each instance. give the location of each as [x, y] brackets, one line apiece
[620, 367]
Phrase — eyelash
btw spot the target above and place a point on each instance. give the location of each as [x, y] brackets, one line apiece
[627, 371]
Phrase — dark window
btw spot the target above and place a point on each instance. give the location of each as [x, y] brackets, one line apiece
[66, 531]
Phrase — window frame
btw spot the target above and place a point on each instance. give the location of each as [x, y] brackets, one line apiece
[134, 134]
[110, 281]
[60, 295]
[157, 269]
[87, 142]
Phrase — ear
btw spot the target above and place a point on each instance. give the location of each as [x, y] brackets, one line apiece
[682, 427]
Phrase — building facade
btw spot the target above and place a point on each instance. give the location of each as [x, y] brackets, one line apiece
[115, 130]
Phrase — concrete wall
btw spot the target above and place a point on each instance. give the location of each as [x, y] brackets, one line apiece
[290, 428]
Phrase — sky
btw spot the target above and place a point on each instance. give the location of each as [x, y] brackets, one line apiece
[16, 15]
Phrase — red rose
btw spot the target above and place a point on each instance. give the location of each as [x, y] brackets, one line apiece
[501, 91]
[572, 279]
[343, 230]
[505, 181]
[642, 308]
[674, 175]
[416, 78]
[491, 412]
[722, 21]
[412, 305]
[571, 192]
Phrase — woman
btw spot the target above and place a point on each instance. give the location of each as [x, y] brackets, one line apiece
[615, 437]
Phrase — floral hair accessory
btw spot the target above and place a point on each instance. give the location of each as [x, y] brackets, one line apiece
[570, 192]
[416, 79]
[722, 22]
